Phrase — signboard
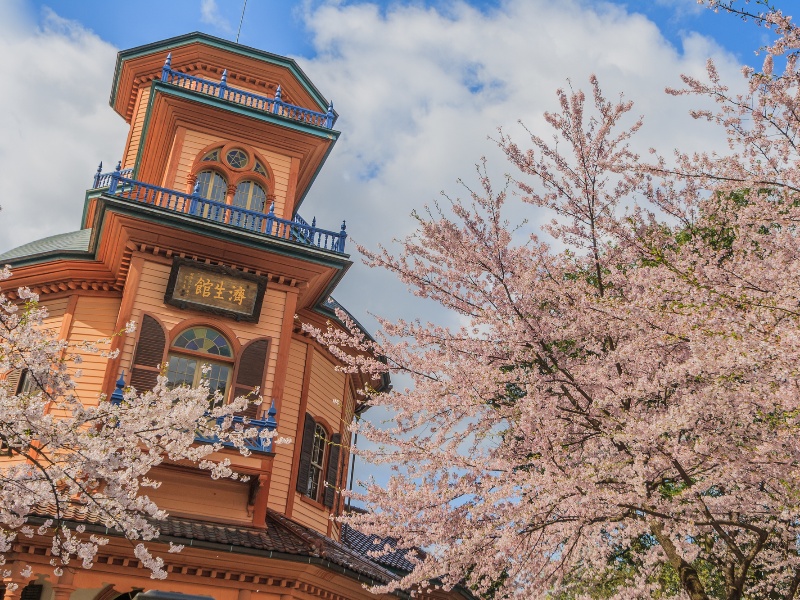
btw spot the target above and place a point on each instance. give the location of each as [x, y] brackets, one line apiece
[216, 289]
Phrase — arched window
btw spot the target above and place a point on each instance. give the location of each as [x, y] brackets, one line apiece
[317, 465]
[194, 348]
[318, 471]
[212, 186]
[251, 196]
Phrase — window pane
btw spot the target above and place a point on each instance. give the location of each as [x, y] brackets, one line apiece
[181, 371]
[204, 339]
[251, 196]
[212, 156]
[212, 186]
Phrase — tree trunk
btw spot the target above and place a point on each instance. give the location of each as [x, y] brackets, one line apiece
[687, 573]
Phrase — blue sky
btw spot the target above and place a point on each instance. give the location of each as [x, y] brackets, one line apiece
[278, 25]
[420, 87]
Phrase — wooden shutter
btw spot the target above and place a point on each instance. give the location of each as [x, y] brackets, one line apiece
[149, 354]
[333, 469]
[13, 378]
[32, 591]
[250, 375]
[305, 454]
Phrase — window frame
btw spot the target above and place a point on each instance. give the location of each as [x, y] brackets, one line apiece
[230, 362]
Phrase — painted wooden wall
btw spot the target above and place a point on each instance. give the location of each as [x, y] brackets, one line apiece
[135, 132]
[150, 299]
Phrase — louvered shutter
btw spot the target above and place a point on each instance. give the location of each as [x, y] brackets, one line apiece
[333, 469]
[305, 454]
[12, 380]
[149, 354]
[32, 591]
[251, 374]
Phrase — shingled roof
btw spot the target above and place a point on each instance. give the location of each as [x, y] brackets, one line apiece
[282, 537]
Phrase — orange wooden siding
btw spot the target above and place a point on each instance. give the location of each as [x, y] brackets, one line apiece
[94, 318]
[184, 493]
[135, 134]
[279, 488]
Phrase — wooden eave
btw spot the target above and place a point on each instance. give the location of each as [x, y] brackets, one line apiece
[314, 272]
[171, 107]
[207, 56]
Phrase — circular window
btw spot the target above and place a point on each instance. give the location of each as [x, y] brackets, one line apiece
[237, 158]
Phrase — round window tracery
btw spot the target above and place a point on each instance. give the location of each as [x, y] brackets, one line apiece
[237, 158]
[212, 156]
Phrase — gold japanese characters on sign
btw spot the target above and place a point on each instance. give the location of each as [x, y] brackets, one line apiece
[215, 289]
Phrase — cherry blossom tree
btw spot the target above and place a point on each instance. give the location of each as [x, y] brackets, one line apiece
[57, 453]
[618, 413]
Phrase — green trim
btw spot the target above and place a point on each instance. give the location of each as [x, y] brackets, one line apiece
[215, 42]
[143, 135]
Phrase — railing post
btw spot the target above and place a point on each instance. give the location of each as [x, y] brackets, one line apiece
[342, 237]
[270, 219]
[223, 83]
[166, 68]
[272, 423]
[329, 116]
[97, 175]
[195, 197]
[117, 396]
[112, 188]
[278, 101]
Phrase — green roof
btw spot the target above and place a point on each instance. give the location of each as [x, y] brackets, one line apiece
[74, 241]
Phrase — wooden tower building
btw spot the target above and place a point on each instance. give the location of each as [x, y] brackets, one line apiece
[196, 236]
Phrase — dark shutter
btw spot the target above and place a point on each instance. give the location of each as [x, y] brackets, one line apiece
[32, 591]
[149, 354]
[333, 469]
[13, 378]
[251, 374]
[305, 454]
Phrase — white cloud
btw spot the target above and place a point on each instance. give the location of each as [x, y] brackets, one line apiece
[209, 13]
[55, 121]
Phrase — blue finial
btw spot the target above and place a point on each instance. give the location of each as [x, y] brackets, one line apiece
[278, 102]
[344, 226]
[272, 208]
[342, 237]
[196, 190]
[223, 83]
[117, 397]
[271, 422]
[314, 222]
[166, 68]
[329, 115]
[100, 168]
[112, 188]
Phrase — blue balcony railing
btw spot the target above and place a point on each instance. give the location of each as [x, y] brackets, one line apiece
[254, 444]
[223, 90]
[257, 443]
[194, 205]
